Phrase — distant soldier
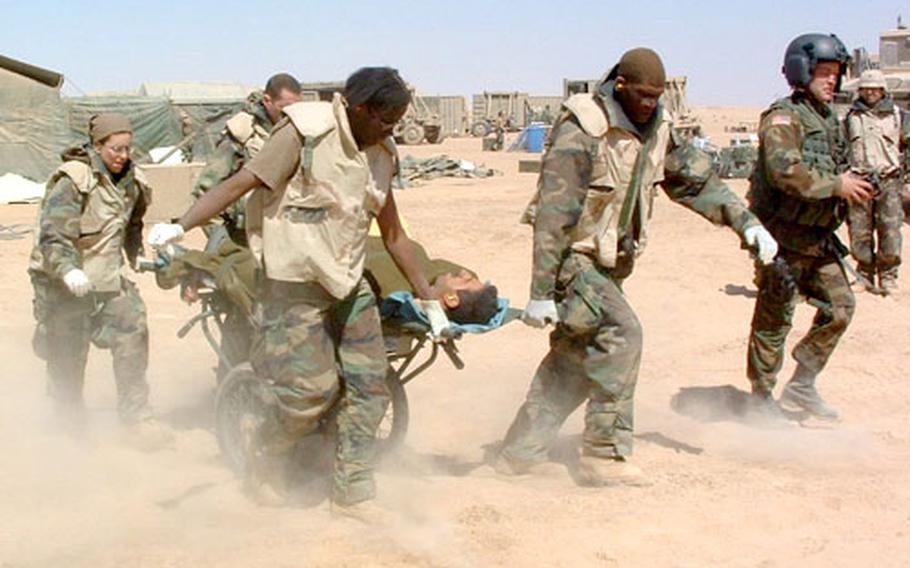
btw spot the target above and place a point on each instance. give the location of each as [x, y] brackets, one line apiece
[89, 220]
[244, 135]
[607, 154]
[499, 131]
[878, 131]
[800, 191]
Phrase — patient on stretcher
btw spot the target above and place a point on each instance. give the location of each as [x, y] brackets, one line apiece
[470, 303]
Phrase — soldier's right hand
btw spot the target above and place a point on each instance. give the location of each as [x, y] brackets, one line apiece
[539, 313]
[854, 188]
[77, 282]
[165, 233]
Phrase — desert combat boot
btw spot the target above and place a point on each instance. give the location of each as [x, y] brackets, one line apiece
[594, 471]
[800, 394]
[888, 281]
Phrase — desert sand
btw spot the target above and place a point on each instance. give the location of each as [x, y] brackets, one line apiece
[724, 492]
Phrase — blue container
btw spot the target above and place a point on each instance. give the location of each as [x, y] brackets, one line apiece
[537, 133]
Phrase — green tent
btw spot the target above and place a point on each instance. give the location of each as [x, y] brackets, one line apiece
[33, 128]
[155, 122]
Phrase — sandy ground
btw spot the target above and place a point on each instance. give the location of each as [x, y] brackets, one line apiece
[724, 493]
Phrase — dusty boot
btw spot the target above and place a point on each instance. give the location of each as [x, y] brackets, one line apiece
[800, 395]
[367, 512]
[888, 281]
[763, 410]
[149, 435]
[511, 467]
[865, 281]
[266, 475]
[598, 472]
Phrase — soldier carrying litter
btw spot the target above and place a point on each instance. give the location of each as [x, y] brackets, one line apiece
[607, 154]
[244, 135]
[878, 132]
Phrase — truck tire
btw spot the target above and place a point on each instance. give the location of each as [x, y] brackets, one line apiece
[480, 129]
[413, 134]
[434, 135]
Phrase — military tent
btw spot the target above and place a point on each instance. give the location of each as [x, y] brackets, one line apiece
[155, 123]
[207, 106]
[33, 128]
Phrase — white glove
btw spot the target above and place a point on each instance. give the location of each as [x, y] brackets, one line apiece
[760, 240]
[539, 313]
[439, 323]
[164, 233]
[77, 282]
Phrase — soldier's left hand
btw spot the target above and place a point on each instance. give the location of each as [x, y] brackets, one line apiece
[760, 240]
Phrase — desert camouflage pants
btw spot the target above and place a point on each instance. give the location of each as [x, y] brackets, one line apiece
[823, 282]
[875, 229]
[67, 325]
[306, 340]
[595, 353]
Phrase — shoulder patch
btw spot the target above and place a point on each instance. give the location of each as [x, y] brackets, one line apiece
[781, 119]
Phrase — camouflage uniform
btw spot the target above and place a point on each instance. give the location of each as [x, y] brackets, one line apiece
[243, 136]
[875, 136]
[306, 339]
[90, 223]
[802, 151]
[595, 350]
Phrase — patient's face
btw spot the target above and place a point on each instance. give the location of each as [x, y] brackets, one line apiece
[455, 281]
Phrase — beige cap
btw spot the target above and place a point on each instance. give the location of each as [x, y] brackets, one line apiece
[872, 79]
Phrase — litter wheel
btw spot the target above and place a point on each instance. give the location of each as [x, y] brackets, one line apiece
[394, 425]
[240, 409]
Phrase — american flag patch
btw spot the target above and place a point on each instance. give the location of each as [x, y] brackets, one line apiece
[781, 120]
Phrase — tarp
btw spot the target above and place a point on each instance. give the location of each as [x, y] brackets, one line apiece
[33, 128]
[155, 122]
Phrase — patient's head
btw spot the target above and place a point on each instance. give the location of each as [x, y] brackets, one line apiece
[465, 297]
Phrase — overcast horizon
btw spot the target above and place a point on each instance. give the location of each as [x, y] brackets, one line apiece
[731, 52]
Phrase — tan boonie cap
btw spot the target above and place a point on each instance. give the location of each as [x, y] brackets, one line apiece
[872, 79]
[100, 126]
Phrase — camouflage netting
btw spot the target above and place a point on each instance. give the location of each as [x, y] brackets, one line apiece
[413, 170]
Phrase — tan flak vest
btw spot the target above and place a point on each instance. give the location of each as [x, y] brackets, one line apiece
[314, 229]
[246, 130]
[614, 166]
[874, 141]
[102, 227]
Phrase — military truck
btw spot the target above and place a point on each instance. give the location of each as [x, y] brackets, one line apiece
[419, 123]
[674, 100]
[737, 159]
[893, 59]
[488, 105]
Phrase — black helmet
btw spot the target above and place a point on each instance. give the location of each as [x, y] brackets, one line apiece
[806, 51]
